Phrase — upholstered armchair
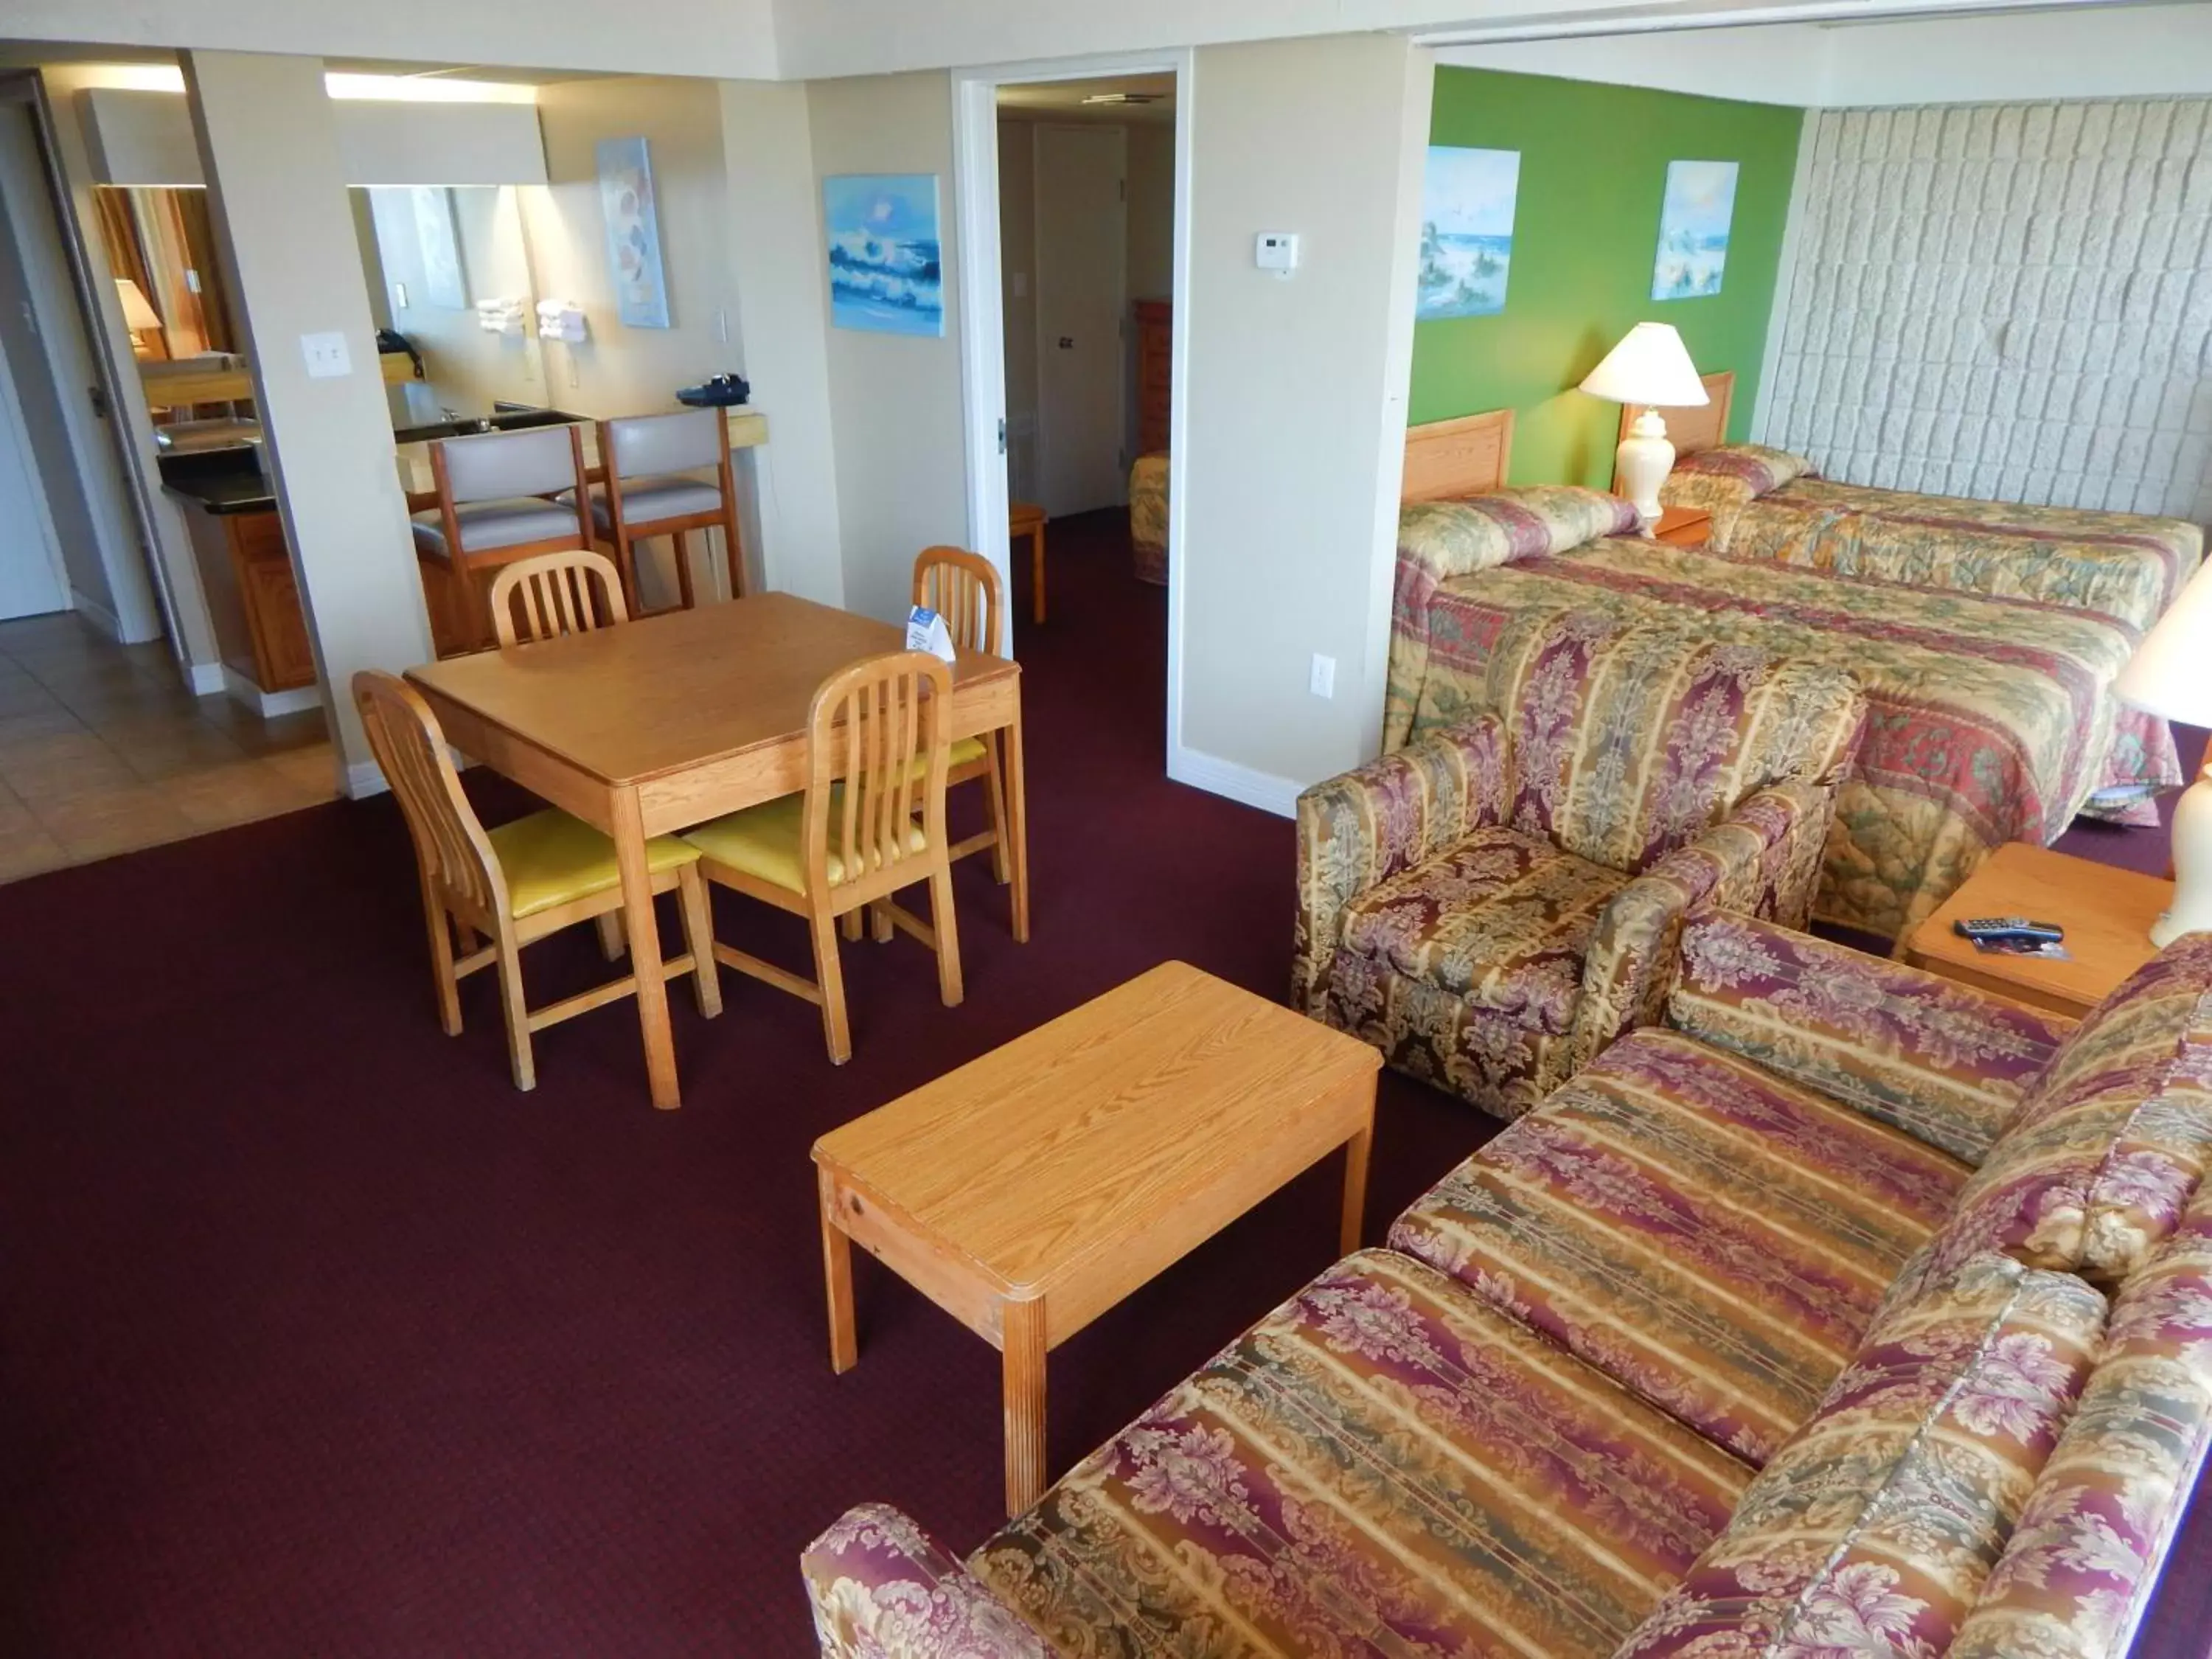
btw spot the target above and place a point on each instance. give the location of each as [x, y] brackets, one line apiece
[1493, 903]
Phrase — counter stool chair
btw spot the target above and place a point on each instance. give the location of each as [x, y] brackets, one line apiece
[640, 499]
[492, 508]
[870, 822]
[517, 884]
[575, 590]
[967, 592]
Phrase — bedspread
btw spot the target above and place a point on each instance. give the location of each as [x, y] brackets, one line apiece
[1989, 719]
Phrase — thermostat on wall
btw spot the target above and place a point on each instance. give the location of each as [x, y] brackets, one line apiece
[1276, 251]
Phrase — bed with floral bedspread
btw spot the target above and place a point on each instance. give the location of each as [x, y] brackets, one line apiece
[1989, 718]
[1767, 504]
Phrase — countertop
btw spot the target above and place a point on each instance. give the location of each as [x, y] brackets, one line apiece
[220, 481]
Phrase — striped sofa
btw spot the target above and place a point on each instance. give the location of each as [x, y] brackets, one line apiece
[1844, 1311]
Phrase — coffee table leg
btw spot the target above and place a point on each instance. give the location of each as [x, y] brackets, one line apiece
[1355, 1187]
[1023, 1350]
[837, 1279]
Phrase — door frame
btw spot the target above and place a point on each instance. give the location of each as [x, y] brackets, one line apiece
[17, 432]
[983, 319]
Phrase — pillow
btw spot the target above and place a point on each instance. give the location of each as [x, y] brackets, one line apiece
[2109, 1145]
[1446, 539]
[1870, 1532]
[1729, 475]
[2082, 1562]
[1630, 742]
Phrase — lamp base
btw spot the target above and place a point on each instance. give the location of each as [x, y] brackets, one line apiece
[2191, 910]
[1641, 464]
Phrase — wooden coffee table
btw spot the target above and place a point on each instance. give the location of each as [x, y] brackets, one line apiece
[2106, 912]
[1032, 1189]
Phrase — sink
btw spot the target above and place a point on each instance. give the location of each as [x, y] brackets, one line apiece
[503, 420]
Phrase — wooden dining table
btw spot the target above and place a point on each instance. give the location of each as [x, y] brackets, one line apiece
[668, 721]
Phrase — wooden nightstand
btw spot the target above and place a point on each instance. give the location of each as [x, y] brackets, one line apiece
[1683, 526]
[2106, 913]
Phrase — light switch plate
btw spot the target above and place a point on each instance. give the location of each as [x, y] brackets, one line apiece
[1323, 680]
[326, 354]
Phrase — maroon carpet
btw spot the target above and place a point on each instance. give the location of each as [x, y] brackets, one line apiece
[316, 1338]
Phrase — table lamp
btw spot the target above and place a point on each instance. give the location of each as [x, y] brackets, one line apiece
[138, 315]
[1650, 366]
[2171, 676]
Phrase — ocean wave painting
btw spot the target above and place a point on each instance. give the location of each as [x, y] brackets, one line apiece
[1694, 229]
[1467, 197]
[885, 277]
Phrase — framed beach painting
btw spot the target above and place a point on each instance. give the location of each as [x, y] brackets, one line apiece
[1694, 229]
[632, 233]
[885, 277]
[1467, 197]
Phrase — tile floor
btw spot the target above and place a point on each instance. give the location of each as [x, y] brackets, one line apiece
[102, 750]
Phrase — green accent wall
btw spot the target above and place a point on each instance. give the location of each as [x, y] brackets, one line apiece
[1585, 233]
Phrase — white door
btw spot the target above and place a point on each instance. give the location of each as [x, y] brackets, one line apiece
[30, 558]
[1082, 281]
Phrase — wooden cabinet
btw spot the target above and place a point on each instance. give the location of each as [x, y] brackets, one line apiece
[1155, 349]
[276, 626]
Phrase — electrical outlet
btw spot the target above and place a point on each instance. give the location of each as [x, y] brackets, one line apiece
[1322, 681]
[326, 354]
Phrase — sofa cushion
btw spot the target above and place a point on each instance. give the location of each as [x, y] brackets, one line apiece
[1630, 742]
[1385, 1464]
[1500, 918]
[2074, 1581]
[2106, 1149]
[1712, 1236]
[1872, 1530]
[1945, 1063]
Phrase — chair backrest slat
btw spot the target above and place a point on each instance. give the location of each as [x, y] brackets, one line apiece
[965, 590]
[501, 465]
[878, 730]
[574, 590]
[639, 445]
[455, 854]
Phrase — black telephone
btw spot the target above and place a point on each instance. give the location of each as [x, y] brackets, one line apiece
[722, 391]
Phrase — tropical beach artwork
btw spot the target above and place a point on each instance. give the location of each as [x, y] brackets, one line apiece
[1467, 231]
[1694, 229]
[884, 272]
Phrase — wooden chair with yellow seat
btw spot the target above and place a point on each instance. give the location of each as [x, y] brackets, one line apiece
[966, 590]
[516, 883]
[574, 590]
[870, 822]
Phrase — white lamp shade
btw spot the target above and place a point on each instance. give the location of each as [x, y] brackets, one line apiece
[1650, 366]
[2171, 674]
[137, 314]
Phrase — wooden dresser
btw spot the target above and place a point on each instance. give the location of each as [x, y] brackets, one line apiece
[1155, 333]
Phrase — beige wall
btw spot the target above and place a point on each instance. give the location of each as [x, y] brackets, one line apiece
[773, 235]
[1152, 210]
[270, 150]
[896, 400]
[1297, 402]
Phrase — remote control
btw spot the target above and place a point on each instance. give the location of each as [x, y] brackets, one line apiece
[1982, 929]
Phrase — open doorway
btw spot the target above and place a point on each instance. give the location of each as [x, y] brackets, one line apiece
[1073, 185]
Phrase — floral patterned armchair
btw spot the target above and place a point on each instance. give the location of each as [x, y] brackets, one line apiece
[1493, 904]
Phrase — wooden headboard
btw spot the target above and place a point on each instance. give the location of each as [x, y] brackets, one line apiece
[1692, 430]
[1446, 460]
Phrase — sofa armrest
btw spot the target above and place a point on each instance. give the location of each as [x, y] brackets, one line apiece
[1364, 827]
[1942, 1062]
[1763, 860]
[883, 1589]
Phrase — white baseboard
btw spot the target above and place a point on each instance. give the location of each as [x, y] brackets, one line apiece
[98, 614]
[364, 779]
[206, 679]
[268, 704]
[1217, 776]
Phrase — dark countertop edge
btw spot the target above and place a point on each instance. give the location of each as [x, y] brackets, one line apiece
[223, 496]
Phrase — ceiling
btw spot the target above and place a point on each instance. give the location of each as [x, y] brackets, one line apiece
[1062, 100]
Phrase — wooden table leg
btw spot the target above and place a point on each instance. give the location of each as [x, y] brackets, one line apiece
[1022, 1354]
[837, 1279]
[1036, 575]
[1018, 823]
[1355, 1186]
[644, 950]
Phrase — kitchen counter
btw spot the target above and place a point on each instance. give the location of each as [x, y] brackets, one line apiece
[221, 481]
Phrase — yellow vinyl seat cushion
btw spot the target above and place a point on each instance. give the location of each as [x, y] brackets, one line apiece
[551, 859]
[966, 751]
[765, 841]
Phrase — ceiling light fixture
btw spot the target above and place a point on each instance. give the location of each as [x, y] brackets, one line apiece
[1117, 98]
